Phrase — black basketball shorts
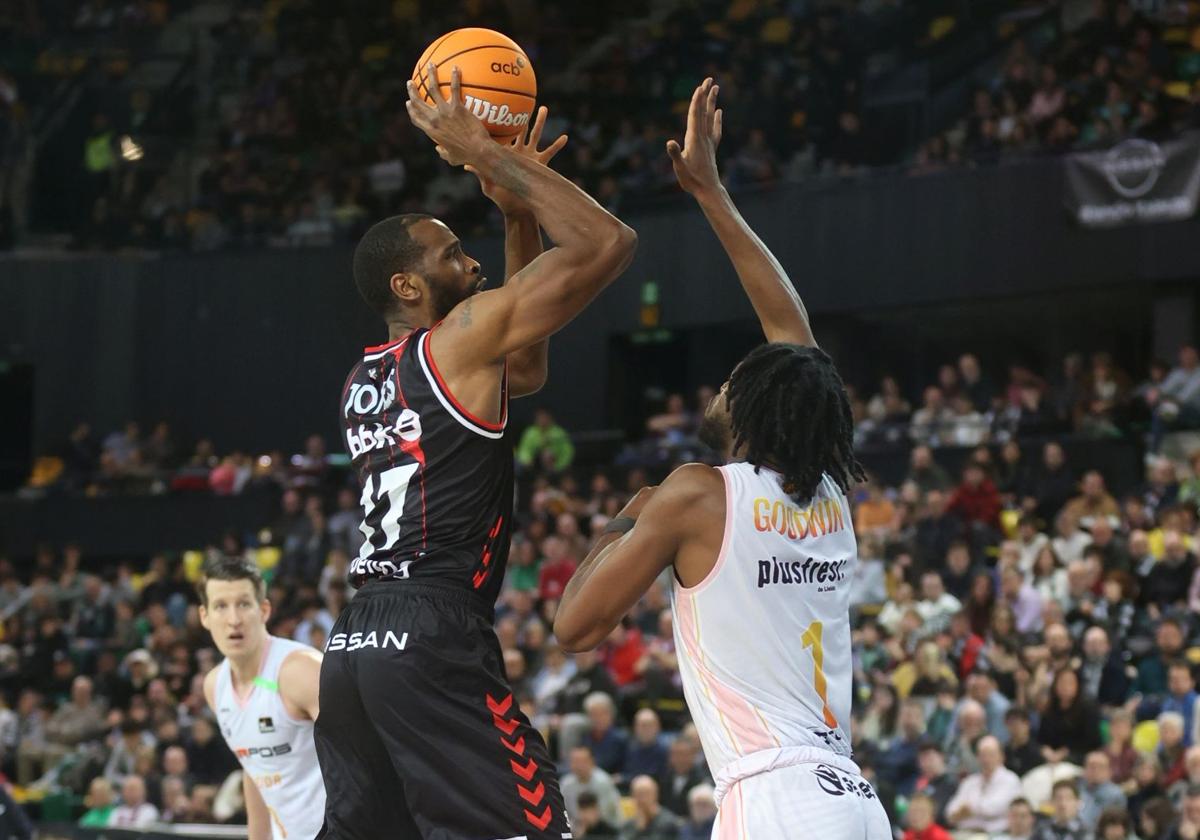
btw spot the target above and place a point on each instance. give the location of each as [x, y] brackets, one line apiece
[419, 734]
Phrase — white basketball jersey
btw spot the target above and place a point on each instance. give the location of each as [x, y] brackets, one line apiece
[275, 750]
[764, 641]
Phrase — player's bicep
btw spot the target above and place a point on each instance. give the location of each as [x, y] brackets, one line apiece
[300, 680]
[535, 303]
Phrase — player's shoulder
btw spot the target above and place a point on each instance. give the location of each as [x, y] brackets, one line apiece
[694, 484]
[300, 663]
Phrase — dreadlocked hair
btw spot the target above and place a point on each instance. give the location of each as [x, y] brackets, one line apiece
[789, 409]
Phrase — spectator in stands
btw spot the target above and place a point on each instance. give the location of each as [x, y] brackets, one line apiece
[585, 776]
[1070, 725]
[1176, 402]
[682, 774]
[982, 800]
[1023, 599]
[934, 782]
[1094, 501]
[1115, 825]
[606, 741]
[1022, 753]
[74, 724]
[701, 814]
[925, 472]
[974, 383]
[1188, 827]
[545, 445]
[970, 727]
[1169, 580]
[922, 822]
[588, 822]
[556, 569]
[875, 513]
[1022, 821]
[936, 605]
[650, 820]
[1065, 823]
[1181, 698]
[1150, 685]
[1101, 673]
[343, 525]
[1145, 785]
[1098, 791]
[208, 757]
[931, 422]
[134, 811]
[936, 529]
[976, 500]
[646, 753]
[1171, 752]
[1051, 486]
[100, 801]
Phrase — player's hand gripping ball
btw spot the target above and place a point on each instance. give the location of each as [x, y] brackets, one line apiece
[498, 83]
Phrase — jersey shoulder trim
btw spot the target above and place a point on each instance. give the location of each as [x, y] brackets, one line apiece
[370, 354]
[726, 538]
[455, 409]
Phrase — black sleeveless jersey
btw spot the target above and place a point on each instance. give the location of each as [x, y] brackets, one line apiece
[437, 483]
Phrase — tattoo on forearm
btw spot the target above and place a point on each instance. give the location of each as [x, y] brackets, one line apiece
[465, 320]
[508, 174]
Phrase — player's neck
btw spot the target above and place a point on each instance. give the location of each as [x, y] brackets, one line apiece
[245, 667]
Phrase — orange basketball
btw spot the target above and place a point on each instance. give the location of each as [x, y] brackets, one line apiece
[498, 83]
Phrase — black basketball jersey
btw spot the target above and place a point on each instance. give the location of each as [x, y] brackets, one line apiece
[437, 483]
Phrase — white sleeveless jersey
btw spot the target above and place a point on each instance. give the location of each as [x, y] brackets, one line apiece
[275, 750]
[764, 641]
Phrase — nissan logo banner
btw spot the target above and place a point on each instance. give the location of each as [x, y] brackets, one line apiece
[1135, 182]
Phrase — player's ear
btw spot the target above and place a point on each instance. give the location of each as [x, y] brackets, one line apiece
[203, 616]
[407, 287]
[265, 607]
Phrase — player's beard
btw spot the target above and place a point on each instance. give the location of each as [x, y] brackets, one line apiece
[715, 433]
[445, 298]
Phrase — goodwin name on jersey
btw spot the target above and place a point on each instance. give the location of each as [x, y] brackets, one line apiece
[437, 482]
[764, 640]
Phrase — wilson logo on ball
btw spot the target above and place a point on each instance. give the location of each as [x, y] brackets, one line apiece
[494, 114]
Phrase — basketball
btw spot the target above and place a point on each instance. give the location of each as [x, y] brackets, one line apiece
[498, 82]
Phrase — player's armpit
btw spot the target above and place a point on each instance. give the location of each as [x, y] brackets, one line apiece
[300, 682]
[621, 573]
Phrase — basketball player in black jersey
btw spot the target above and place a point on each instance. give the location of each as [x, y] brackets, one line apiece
[419, 734]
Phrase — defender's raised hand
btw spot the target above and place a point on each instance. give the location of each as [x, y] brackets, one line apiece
[505, 199]
[696, 163]
[459, 135]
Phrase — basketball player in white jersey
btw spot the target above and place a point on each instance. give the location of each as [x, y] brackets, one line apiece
[264, 694]
[763, 553]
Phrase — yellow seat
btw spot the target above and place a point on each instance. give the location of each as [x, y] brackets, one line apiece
[1145, 736]
[267, 557]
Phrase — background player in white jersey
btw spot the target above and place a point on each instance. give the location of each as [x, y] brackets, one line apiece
[264, 694]
[763, 552]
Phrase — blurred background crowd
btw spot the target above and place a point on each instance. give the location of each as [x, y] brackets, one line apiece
[202, 125]
[1026, 643]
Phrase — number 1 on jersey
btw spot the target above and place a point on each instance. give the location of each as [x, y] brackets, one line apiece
[812, 638]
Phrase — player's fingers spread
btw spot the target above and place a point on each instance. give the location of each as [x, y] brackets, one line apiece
[717, 126]
[539, 122]
[554, 148]
[711, 104]
[456, 86]
[694, 107]
[673, 150]
[433, 85]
